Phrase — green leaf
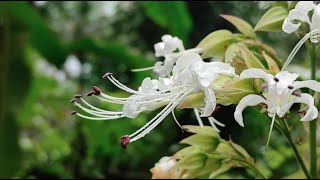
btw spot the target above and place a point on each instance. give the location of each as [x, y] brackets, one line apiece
[204, 130]
[205, 142]
[231, 53]
[272, 20]
[173, 16]
[215, 43]
[243, 26]
[41, 37]
[250, 60]
[272, 65]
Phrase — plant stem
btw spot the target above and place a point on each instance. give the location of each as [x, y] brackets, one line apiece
[284, 128]
[312, 125]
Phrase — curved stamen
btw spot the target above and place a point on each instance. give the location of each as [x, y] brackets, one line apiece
[294, 51]
[153, 119]
[213, 125]
[98, 118]
[196, 112]
[176, 101]
[176, 120]
[96, 113]
[101, 110]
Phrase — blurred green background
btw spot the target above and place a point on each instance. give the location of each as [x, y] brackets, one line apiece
[53, 50]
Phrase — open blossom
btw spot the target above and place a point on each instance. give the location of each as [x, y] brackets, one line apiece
[190, 75]
[280, 93]
[164, 169]
[171, 48]
[300, 14]
[166, 48]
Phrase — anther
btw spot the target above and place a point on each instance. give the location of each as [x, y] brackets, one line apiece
[72, 100]
[106, 75]
[290, 87]
[276, 79]
[125, 140]
[78, 96]
[264, 86]
[91, 93]
[96, 90]
[298, 94]
[74, 112]
[302, 112]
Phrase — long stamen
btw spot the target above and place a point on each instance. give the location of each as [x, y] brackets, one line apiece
[119, 84]
[142, 69]
[153, 119]
[152, 126]
[176, 120]
[98, 118]
[96, 113]
[271, 127]
[97, 109]
[213, 125]
[129, 90]
[151, 99]
[217, 122]
[196, 112]
[298, 46]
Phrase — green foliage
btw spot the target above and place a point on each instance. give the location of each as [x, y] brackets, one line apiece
[243, 26]
[208, 155]
[272, 20]
[171, 15]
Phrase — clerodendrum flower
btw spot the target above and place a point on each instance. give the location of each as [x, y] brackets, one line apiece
[300, 14]
[279, 95]
[171, 48]
[190, 75]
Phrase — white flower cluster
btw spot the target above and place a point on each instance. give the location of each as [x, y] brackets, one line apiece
[183, 73]
[190, 75]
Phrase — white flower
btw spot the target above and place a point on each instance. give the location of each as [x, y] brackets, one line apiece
[166, 48]
[168, 45]
[164, 169]
[171, 48]
[279, 95]
[190, 75]
[300, 15]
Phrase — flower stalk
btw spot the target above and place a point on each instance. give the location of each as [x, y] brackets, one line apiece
[312, 125]
[282, 125]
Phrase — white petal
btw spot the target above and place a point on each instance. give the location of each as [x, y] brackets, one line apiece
[316, 18]
[285, 79]
[289, 27]
[221, 68]
[185, 60]
[312, 112]
[249, 100]
[311, 84]
[256, 73]
[159, 49]
[296, 14]
[210, 100]
[305, 6]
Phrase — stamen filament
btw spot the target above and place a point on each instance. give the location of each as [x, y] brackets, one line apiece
[98, 118]
[196, 112]
[176, 102]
